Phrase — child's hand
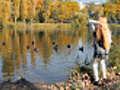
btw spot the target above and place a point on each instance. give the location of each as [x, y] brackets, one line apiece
[106, 52]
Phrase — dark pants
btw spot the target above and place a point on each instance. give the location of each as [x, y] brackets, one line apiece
[99, 51]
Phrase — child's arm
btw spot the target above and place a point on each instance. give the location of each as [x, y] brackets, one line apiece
[91, 24]
[93, 21]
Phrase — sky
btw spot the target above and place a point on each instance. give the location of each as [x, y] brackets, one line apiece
[86, 1]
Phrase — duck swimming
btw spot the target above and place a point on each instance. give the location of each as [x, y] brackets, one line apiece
[55, 48]
[68, 46]
[28, 47]
[33, 43]
[53, 43]
[3, 43]
[36, 50]
[81, 49]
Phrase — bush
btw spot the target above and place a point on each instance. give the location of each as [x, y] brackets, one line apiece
[115, 57]
[79, 20]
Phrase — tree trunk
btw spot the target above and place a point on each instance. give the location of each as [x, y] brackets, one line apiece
[1, 26]
[15, 20]
[24, 20]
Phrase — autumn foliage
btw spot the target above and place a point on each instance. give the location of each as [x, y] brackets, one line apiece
[39, 10]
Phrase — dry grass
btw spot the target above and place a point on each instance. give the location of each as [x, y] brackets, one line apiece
[40, 26]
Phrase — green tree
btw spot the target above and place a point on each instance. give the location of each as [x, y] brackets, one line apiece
[79, 20]
[110, 10]
[46, 14]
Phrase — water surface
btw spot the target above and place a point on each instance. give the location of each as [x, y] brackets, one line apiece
[31, 54]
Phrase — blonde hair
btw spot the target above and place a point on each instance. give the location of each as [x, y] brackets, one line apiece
[103, 32]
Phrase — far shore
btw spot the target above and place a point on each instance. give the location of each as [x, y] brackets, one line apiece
[39, 26]
[20, 26]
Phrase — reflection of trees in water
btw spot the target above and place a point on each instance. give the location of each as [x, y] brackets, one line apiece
[16, 43]
[33, 39]
[17, 52]
[7, 55]
[23, 52]
[41, 34]
[47, 47]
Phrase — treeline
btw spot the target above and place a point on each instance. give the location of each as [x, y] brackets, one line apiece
[51, 11]
[37, 10]
[110, 9]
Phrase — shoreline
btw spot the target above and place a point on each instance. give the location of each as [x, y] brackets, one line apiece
[76, 82]
[20, 26]
[40, 26]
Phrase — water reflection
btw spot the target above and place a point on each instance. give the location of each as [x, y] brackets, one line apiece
[30, 54]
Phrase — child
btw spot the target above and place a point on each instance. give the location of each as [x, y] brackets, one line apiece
[102, 42]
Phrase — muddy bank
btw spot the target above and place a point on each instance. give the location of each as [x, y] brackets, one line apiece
[77, 81]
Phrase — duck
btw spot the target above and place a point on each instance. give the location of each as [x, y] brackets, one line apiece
[55, 48]
[33, 42]
[3, 43]
[36, 49]
[28, 47]
[81, 49]
[53, 43]
[68, 46]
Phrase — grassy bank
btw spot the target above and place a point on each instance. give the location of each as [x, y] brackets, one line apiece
[40, 26]
[114, 26]
[49, 26]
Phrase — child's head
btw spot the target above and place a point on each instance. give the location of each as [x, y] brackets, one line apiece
[102, 19]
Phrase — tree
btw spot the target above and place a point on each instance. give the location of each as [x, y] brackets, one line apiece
[113, 1]
[66, 9]
[110, 10]
[95, 10]
[46, 14]
[1, 7]
[79, 19]
[23, 9]
[16, 4]
[118, 10]
[33, 9]
[5, 8]
[39, 11]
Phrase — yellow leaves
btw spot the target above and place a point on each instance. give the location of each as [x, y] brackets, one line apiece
[39, 4]
[110, 8]
[52, 6]
[66, 9]
[118, 9]
[5, 9]
[57, 3]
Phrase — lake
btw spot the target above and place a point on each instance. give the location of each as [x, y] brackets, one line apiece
[44, 56]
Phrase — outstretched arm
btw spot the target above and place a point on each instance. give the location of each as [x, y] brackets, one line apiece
[93, 21]
[91, 24]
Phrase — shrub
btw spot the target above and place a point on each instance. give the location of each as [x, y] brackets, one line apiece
[79, 20]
